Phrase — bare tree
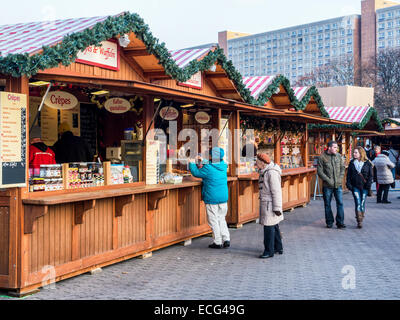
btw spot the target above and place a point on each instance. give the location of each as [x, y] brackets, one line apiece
[384, 75]
[338, 72]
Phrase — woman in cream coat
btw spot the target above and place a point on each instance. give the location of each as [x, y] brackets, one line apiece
[270, 205]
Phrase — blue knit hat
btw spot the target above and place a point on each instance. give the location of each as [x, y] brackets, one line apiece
[217, 154]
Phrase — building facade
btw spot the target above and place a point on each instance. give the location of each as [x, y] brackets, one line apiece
[297, 51]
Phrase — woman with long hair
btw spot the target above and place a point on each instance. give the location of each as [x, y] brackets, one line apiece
[359, 180]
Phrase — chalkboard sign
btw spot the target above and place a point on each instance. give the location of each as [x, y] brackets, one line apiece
[89, 126]
[12, 140]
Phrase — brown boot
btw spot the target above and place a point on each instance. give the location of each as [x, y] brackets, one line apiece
[359, 218]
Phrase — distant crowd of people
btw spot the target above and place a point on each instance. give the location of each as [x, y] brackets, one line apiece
[368, 165]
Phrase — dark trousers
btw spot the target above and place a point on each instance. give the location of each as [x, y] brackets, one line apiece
[328, 193]
[383, 189]
[272, 239]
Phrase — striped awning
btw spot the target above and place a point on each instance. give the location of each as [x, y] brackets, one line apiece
[348, 114]
[299, 92]
[257, 85]
[31, 37]
[185, 56]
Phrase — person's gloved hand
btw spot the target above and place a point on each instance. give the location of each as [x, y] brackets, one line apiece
[278, 213]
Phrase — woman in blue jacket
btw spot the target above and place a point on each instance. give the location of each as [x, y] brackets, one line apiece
[215, 195]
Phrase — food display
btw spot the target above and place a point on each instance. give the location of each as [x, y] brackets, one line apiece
[84, 175]
[46, 178]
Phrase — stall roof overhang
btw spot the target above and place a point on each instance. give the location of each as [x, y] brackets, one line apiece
[277, 89]
[357, 119]
[28, 49]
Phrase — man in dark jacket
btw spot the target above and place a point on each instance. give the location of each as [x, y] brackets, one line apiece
[70, 148]
[215, 195]
[331, 170]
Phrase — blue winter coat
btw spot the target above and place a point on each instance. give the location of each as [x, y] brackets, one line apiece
[215, 181]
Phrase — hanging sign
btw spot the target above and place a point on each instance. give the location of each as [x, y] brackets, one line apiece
[12, 140]
[106, 56]
[195, 82]
[202, 117]
[169, 113]
[117, 105]
[61, 100]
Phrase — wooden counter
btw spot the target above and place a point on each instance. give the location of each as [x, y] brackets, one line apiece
[75, 232]
[295, 193]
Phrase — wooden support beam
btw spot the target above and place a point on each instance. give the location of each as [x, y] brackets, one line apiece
[155, 197]
[227, 91]
[31, 213]
[121, 203]
[157, 75]
[215, 75]
[81, 208]
[183, 194]
[136, 53]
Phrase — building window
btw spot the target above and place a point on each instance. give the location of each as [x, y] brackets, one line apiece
[390, 34]
[349, 49]
[381, 44]
[381, 35]
[381, 17]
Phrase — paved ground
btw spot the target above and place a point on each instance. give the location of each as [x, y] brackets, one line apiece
[311, 267]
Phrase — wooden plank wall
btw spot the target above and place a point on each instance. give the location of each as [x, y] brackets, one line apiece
[78, 69]
[4, 239]
[57, 242]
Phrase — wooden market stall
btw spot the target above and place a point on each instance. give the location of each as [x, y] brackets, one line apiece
[284, 137]
[67, 219]
[355, 121]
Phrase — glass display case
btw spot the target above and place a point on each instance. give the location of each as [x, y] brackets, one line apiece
[131, 155]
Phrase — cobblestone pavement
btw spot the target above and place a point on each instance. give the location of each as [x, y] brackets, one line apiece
[311, 267]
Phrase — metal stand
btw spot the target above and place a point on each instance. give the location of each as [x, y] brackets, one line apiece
[315, 189]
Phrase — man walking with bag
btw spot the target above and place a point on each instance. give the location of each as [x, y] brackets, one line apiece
[331, 170]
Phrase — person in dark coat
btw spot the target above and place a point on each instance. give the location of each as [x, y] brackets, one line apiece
[70, 148]
[359, 181]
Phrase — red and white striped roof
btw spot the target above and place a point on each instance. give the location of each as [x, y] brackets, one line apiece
[31, 37]
[347, 114]
[257, 85]
[299, 92]
[185, 56]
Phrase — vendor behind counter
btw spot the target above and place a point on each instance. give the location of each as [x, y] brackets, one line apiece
[70, 148]
[39, 152]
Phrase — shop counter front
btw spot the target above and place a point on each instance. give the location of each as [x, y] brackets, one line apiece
[295, 193]
[75, 232]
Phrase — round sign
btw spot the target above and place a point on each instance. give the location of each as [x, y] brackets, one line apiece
[117, 105]
[169, 113]
[61, 100]
[202, 117]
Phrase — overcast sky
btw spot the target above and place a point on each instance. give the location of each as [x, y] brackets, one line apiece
[181, 23]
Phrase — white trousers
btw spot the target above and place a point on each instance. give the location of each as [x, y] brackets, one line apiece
[216, 214]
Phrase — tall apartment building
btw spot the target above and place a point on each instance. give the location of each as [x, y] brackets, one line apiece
[297, 51]
[374, 26]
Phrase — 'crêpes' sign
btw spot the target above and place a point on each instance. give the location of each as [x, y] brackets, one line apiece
[117, 105]
[169, 113]
[106, 56]
[202, 117]
[195, 82]
[12, 140]
[61, 100]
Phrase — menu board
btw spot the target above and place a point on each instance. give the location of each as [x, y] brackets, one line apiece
[49, 125]
[152, 162]
[12, 140]
[72, 117]
[88, 124]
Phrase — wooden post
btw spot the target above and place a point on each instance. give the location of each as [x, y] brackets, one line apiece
[107, 173]
[148, 116]
[306, 146]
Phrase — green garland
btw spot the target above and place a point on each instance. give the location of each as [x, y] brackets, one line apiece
[389, 120]
[312, 92]
[371, 114]
[65, 53]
